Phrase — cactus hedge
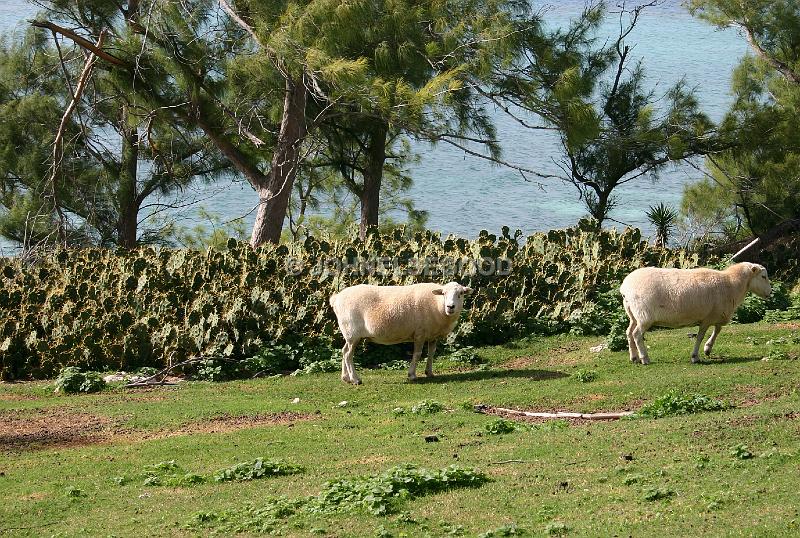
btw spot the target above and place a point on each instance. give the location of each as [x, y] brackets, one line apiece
[121, 309]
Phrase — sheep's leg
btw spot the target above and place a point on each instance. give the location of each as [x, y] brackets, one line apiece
[711, 340]
[345, 373]
[632, 351]
[701, 332]
[431, 353]
[412, 370]
[638, 337]
[348, 370]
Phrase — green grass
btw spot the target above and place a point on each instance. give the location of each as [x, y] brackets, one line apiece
[678, 475]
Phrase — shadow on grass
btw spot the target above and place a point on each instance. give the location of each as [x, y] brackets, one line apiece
[478, 375]
[717, 361]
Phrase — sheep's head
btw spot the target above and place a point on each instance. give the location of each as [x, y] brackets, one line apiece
[759, 281]
[453, 293]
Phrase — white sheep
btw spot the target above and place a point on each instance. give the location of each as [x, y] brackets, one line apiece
[417, 313]
[685, 297]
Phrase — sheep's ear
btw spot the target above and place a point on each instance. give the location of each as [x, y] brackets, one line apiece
[755, 268]
[468, 291]
[438, 291]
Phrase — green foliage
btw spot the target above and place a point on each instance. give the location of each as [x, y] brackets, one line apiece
[741, 452]
[754, 308]
[658, 494]
[585, 376]
[466, 356]
[612, 127]
[751, 310]
[663, 219]
[256, 469]
[557, 528]
[72, 380]
[501, 426]
[380, 494]
[427, 407]
[617, 339]
[505, 530]
[758, 171]
[169, 473]
[267, 518]
[600, 316]
[674, 403]
[120, 310]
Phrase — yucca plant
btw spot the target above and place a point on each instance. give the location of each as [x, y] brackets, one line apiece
[663, 218]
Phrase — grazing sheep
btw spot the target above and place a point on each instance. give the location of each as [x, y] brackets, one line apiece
[417, 313]
[683, 297]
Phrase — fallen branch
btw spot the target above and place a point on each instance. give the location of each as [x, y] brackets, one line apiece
[505, 461]
[149, 381]
[558, 414]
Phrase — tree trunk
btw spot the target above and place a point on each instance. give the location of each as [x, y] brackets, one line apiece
[274, 194]
[373, 176]
[127, 197]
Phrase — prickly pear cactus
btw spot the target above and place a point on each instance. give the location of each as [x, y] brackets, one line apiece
[105, 309]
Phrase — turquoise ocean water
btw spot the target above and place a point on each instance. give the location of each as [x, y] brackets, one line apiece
[464, 195]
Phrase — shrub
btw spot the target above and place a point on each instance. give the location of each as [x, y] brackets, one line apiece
[617, 339]
[751, 310]
[72, 380]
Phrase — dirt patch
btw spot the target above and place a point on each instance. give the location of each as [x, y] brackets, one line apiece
[793, 325]
[553, 357]
[43, 428]
[36, 496]
[749, 395]
[47, 427]
[10, 397]
[230, 423]
[748, 420]
[576, 402]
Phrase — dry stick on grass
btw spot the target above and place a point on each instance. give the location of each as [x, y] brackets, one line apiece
[557, 414]
[149, 381]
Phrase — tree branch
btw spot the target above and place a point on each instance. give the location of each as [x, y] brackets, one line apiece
[81, 41]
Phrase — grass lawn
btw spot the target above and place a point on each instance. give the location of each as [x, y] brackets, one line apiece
[75, 465]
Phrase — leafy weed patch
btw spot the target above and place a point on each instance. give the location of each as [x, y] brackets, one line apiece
[673, 403]
[256, 469]
[169, 473]
[425, 407]
[71, 380]
[378, 494]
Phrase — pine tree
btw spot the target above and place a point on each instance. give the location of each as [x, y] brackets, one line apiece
[612, 129]
[761, 170]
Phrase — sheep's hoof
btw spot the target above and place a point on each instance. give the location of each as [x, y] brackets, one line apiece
[429, 374]
[634, 360]
[356, 381]
[412, 379]
[695, 360]
[645, 360]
